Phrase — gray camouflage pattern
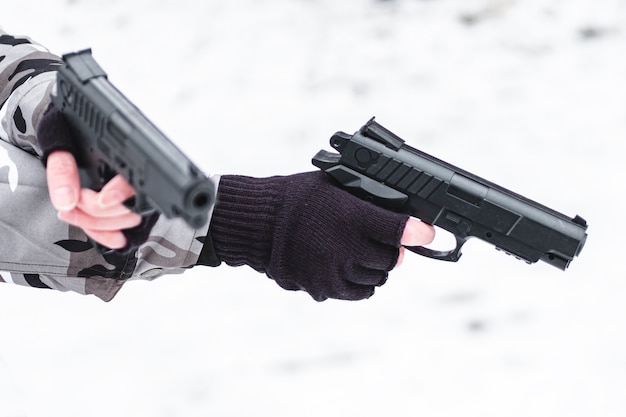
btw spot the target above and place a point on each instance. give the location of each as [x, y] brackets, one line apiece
[37, 249]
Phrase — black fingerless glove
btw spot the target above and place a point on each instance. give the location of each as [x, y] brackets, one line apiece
[55, 134]
[305, 233]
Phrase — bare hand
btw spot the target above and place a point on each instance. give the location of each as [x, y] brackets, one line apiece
[102, 215]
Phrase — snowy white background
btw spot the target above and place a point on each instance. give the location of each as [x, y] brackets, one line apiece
[529, 94]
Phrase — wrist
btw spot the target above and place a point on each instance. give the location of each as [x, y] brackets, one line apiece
[243, 219]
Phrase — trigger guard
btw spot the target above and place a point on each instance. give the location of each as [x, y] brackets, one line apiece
[449, 256]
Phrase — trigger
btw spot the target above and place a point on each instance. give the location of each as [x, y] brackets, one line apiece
[367, 188]
[449, 255]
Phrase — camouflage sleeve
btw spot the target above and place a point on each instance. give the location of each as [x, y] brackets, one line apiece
[37, 249]
[27, 77]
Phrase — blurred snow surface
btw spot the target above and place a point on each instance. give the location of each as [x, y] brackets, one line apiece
[529, 94]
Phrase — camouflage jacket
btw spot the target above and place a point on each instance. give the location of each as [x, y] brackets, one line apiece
[37, 249]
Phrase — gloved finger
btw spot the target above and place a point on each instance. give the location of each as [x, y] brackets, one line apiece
[380, 224]
[345, 290]
[63, 180]
[377, 257]
[341, 289]
[115, 192]
[353, 292]
[417, 233]
[364, 276]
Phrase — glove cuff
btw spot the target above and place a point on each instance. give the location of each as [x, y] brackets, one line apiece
[242, 223]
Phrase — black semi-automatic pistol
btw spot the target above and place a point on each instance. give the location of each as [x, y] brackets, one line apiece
[377, 165]
[115, 137]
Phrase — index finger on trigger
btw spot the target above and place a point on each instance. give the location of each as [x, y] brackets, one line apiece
[417, 233]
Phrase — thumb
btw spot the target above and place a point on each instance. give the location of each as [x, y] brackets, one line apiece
[63, 180]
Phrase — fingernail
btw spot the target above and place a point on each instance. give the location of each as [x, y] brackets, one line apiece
[64, 198]
[110, 198]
